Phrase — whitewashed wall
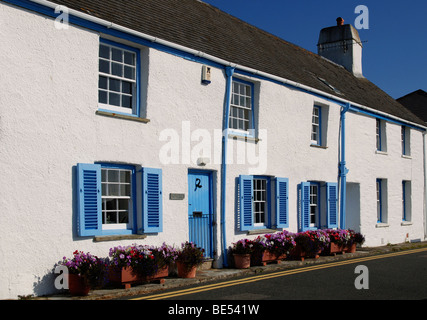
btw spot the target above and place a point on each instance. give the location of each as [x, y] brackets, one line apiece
[48, 125]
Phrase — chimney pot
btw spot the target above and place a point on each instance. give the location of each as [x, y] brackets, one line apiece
[340, 21]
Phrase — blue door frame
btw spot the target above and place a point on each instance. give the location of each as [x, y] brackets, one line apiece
[200, 210]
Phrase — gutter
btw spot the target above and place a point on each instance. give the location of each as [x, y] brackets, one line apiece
[229, 71]
[342, 169]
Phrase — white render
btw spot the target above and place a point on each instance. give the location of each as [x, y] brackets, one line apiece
[48, 124]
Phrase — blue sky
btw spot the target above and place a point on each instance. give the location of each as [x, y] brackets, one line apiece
[394, 48]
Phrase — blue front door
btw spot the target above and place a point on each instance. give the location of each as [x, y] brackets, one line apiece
[200, 210]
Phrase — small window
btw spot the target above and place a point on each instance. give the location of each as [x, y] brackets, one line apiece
[406, 201]
[118, 78]
[314, 204]
[405, 141]
[263, 202]
[381, 191]
[381, 141]
[316, 126]
[260, 201]
[116, 198]
[241, 107]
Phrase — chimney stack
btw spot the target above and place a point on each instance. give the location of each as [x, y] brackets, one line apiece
[341, 44]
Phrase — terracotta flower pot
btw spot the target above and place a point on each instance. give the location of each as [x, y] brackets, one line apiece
[184, 271]
[77, 285]
[334, 248]
[242, 261]
[126, 276]
[350, 248]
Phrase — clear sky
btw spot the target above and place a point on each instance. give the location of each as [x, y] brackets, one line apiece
[394, 47]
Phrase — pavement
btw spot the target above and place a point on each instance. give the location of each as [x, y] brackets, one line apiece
[206, 274]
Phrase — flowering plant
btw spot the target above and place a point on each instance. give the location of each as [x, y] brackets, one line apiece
[313, 241]
[164, 255]
[355, 237]
[340, 236]
[280, 243]
[190, 255]
[243, 246]
[139, 258]
[91, 268]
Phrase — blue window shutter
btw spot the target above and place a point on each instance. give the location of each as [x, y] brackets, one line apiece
[152, 217]
[246, 197]
[89, 199]
[332, 204]
[304, 206]
[282, 203]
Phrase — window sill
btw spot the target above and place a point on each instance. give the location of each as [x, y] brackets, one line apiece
[404, 156]
[381, 152]
[241, 137]
[261, 231]
[318, 147]
[382, 225]
[121, 116]
[119, 237]
[406, 223]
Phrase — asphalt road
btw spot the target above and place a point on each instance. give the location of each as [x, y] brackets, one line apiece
[395, 276]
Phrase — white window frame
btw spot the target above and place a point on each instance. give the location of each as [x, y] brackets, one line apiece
[316, 124]
[260, 200]
[242, 108]
[131, 64]
[314, 204]
[108, 195]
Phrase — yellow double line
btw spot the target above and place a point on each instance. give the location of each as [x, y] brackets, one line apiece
[273, 275]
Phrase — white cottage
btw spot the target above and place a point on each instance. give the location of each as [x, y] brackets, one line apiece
[169, 120]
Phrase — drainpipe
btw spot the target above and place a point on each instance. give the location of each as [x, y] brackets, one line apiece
[342, 168]
[229, 71]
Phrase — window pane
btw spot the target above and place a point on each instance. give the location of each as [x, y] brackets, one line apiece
[113, 189]
[104, 51]
[102, 96]
[103, 83]
[129, 72]
[117, 69]
[113, 176]
[104, 66]
[123, 204]
[114, 99]
[115, 85]
[127, 102]
[110, 204]
[129, 58]
[123, 217]
[127, 87]
[111, 217]
[116, 54]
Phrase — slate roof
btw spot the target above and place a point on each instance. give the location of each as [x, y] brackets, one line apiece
[416, 102]
[200, 26]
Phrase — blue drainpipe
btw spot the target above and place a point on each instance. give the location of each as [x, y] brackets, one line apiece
[229, 71]
[342, 168]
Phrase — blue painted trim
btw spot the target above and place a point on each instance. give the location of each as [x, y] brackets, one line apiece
[209, 174]
[134, 229]
[229, 74]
